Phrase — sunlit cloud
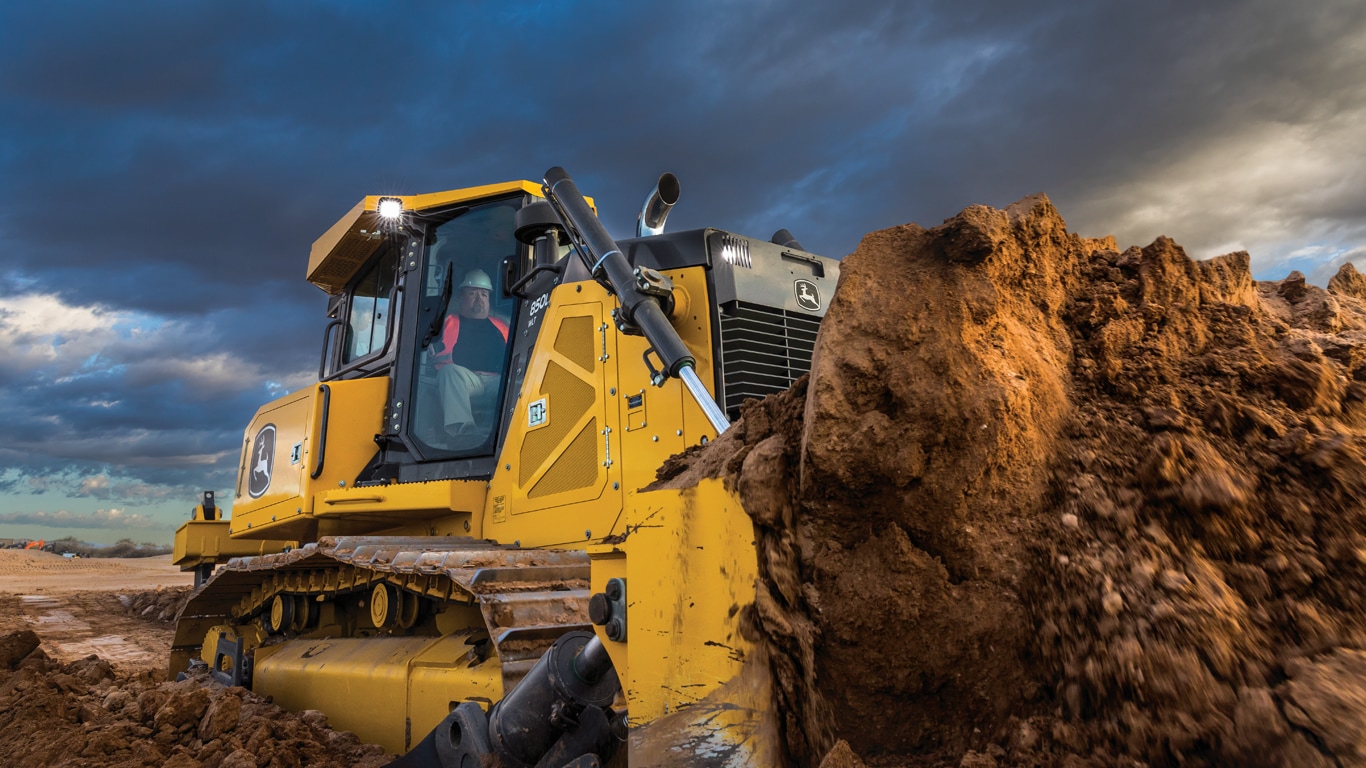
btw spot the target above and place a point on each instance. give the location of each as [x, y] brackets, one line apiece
[51, 340]
[1292, 195]
[100, 518]
[102, 487]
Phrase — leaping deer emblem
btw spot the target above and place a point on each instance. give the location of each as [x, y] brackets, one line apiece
[262, 466]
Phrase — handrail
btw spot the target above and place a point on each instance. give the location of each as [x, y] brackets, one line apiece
[321, 440]
[327, 337]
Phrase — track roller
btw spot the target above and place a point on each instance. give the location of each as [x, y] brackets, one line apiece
[385, 602]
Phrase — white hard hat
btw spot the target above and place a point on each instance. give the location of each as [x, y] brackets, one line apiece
[476, 278]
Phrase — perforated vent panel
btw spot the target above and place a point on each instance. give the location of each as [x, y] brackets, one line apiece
[575, 341]
[763, 350]
[570, 398]
[576, 468]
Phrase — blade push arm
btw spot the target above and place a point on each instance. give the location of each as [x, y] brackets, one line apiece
[641, 292]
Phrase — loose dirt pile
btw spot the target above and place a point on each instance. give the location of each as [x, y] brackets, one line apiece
[1043, 502]
[161, 604]
[82, 714]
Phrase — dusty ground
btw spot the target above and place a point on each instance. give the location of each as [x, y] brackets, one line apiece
[83, 647]
[25, 571]
[75, 605]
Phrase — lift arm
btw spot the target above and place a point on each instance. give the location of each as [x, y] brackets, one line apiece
[643, 293]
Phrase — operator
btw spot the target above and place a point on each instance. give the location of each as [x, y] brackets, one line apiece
[469, 366]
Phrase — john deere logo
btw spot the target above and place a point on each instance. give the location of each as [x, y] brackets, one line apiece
[808, 297]
[262, 461]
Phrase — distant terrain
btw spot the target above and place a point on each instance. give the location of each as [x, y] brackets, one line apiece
[123, 548]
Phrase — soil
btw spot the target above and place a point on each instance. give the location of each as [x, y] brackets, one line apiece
[24, 571]
[82, 679]
[1043, 501]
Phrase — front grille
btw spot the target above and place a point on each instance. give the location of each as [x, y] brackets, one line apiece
[763, 350]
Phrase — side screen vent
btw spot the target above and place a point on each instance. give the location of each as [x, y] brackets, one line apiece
[735, 250]
[763, 351]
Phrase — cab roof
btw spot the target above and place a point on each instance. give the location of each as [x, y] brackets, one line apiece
[344, 248]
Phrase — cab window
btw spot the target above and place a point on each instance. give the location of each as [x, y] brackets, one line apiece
[368, 317]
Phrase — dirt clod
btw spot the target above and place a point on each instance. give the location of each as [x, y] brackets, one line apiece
[16, 646]
[160, 604]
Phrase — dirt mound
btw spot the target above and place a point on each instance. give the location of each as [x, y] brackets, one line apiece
[1042, 501]
[86, 714]
[161, 604]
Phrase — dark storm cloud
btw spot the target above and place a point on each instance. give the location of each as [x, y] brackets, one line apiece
[156, 404]
[167, 165]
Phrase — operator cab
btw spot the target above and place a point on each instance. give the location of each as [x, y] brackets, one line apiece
[442, 300]
[421, 298]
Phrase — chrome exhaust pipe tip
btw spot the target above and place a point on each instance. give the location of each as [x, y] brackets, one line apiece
[657, 205]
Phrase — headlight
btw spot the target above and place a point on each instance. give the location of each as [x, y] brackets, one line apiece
[390, 207]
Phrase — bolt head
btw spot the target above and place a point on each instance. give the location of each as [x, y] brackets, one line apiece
[616, 630]
[599, 609]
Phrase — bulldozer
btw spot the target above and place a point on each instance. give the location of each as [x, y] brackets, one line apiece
[450, 545]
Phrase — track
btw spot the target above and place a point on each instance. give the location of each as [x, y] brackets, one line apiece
[527, 597]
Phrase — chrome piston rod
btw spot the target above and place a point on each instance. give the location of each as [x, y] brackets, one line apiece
[715, 415]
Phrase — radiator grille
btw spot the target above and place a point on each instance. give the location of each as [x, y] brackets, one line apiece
[763, 350]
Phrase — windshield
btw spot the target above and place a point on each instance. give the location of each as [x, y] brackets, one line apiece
[461, 365]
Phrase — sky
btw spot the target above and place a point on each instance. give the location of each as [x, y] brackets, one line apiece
[165, 166]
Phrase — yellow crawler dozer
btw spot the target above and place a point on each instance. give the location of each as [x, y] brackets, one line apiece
[446, 544]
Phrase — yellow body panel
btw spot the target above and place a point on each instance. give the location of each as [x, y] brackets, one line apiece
[567, 454]
[285, 508]
[200, 542]
[408, 508]
[595, 444]
[690, 566]
[396, 689]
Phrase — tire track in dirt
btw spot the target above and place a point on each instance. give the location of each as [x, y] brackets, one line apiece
[77, 625]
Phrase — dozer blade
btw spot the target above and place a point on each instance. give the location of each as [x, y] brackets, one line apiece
[733, 727]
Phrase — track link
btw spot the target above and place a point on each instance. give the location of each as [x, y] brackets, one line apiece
[528, 597]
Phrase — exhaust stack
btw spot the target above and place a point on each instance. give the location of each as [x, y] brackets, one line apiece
[657, 205]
